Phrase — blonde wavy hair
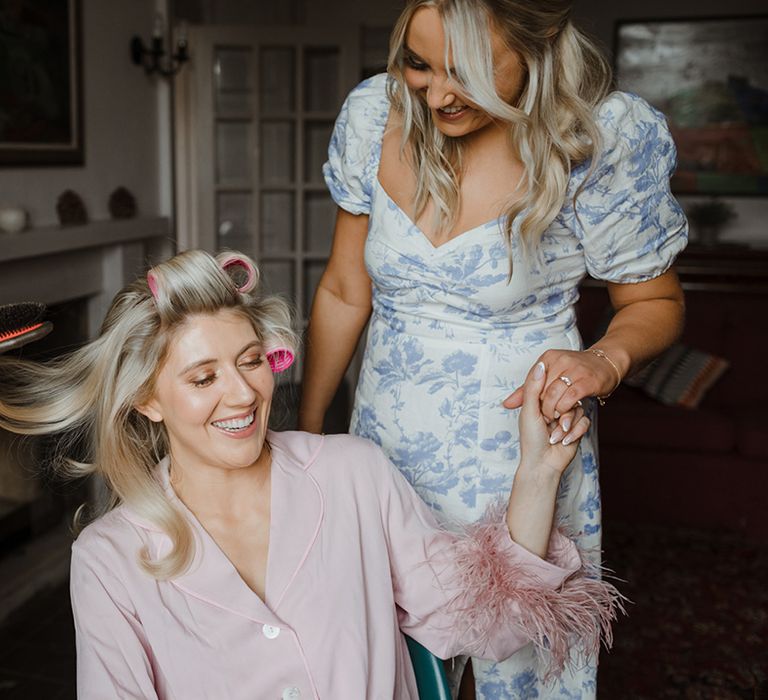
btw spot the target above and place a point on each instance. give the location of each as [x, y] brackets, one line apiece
[552, 125]
[89, 397]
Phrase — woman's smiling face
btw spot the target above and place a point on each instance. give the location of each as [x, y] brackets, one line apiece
[425, 72]
[213, 393]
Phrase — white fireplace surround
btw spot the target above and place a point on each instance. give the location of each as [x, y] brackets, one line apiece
[53, 265]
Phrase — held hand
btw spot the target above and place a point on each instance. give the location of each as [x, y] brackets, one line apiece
[571, 376]
[531, 507]
[544, 444]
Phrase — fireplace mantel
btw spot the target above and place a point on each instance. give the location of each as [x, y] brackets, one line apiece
[98, 234]
[56, 264]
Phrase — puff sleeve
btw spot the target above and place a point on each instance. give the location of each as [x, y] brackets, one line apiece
[355, 147]
[630, 226]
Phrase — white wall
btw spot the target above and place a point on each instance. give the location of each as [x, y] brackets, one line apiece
[365, 12]
[121, 124]
[305, 12]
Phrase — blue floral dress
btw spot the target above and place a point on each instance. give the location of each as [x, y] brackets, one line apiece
[450, 337]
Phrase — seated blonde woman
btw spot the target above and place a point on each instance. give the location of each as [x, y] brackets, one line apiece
[236, 562]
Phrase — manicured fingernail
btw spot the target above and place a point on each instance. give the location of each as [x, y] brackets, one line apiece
[556, 415]
[566, 424]
[538, 373]
[567, 440]
[553, 439]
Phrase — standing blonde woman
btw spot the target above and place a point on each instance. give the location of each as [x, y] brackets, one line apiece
[478, 182]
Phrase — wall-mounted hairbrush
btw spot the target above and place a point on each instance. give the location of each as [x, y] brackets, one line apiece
[21, 324]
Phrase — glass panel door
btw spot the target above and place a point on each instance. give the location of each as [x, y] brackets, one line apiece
[258, 106]
[233, 110]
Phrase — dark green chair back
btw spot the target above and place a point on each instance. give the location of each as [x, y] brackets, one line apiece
[430, 674]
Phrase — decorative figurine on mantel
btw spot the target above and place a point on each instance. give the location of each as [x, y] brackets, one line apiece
[71, 209]
[709, 218]
[13, 219]
[122, 204]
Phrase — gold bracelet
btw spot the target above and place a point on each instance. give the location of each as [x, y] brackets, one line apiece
[601, 353]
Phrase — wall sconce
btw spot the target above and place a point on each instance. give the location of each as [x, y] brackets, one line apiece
[151, 59]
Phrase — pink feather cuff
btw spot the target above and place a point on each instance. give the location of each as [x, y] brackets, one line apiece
[496, 588]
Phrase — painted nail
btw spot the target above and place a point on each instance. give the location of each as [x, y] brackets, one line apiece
[556, 415]
[567, 440]
[566, 424]
[538, 373]
[553, 439]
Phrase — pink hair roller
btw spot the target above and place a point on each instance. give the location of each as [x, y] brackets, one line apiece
[152, 283]
[250, 272]
[280, 358]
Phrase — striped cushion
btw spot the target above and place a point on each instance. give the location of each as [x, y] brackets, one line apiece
[680, 376]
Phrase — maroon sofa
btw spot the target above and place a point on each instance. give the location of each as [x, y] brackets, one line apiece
[705, 467]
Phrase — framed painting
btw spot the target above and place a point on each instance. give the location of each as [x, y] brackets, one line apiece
[41, 95]
[710, 78]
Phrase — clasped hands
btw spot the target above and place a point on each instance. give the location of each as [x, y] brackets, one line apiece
[570, 377]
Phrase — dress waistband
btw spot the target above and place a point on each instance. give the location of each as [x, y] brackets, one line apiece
[471, 329]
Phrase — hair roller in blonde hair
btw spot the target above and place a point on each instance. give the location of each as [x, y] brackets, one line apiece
[235, 265]
[88, 399]
[279, 357]
[152, 283]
